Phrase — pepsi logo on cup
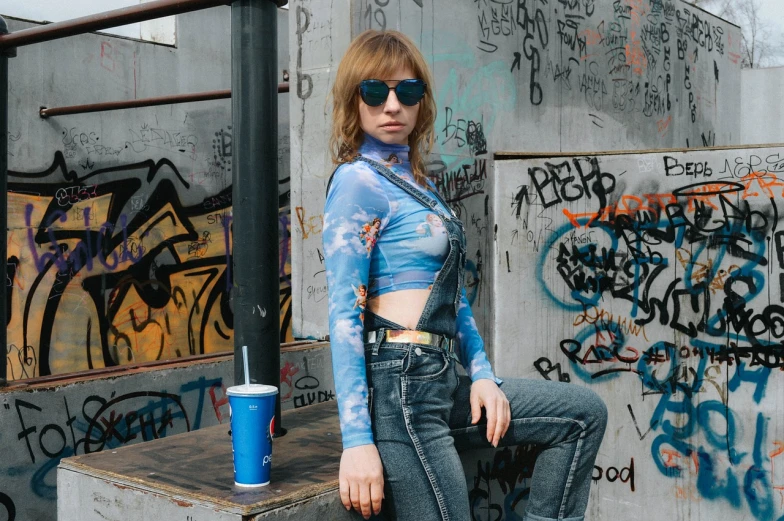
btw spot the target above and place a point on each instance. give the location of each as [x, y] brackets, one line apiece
[271, 430]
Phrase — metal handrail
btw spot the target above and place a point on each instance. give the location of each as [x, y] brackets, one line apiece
[47, 112]
[105, 20]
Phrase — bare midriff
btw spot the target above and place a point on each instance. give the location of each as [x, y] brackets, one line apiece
[403, 307]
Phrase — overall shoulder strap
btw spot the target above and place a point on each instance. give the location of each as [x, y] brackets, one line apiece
[390, 176]
[443, 201]
[331, 177]
[418, 194]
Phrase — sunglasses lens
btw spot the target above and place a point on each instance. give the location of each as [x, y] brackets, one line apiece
[373, 92]
[409, 92]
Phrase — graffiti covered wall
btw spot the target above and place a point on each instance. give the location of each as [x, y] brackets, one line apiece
[119, 239]
[657, 280]
[530, 75]
[43, 423]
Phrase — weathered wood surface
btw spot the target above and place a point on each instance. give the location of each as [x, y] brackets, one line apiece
[197, 466]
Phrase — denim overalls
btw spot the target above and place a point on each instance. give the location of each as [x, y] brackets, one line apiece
[421, 415]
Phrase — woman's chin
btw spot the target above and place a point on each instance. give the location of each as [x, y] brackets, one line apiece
[392, 137]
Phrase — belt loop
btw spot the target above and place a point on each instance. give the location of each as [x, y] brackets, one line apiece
[380, 334]
[449, 345]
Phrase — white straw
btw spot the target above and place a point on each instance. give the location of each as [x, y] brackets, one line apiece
[245, 364]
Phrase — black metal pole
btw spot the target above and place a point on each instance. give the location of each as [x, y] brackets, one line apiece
[254, 107]
[4, 55]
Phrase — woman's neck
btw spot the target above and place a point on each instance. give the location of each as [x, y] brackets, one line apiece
[390, 153]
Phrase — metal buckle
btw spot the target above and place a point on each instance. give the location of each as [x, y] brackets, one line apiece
[413, 337]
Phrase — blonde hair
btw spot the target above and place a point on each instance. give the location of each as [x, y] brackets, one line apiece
[372, 54]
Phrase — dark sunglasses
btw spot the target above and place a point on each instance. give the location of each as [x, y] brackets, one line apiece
[408, 92]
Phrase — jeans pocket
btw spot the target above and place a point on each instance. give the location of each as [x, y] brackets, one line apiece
[386, 360]
[386, 364]
[428, 365]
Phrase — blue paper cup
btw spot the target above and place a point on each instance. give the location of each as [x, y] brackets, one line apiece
[252, 425]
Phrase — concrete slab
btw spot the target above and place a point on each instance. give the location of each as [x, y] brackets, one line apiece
[190, 476]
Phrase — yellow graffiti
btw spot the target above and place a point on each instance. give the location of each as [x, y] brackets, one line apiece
[103, 313]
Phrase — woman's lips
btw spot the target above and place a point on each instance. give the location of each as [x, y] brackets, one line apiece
[393, 126]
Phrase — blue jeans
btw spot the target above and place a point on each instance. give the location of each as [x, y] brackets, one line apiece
[421, 418]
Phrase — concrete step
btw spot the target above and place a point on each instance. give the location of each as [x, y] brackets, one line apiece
[190, 477]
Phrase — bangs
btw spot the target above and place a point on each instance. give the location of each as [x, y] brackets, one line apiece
[386, 55]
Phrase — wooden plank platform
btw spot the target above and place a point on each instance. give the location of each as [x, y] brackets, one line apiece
[196, 468]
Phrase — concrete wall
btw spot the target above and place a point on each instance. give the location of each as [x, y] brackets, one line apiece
[41, 424]
[527, 75]
[118, 237]
[659, 285]
[761, 106]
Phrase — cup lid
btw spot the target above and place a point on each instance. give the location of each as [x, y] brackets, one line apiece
[251, 390]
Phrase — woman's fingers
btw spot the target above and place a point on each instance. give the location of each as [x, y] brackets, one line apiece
[355, 496]
[507, 417]
[376, 495]
[476, 408]
[502, 422]
[492, 415]
[345, 496]
[364, 500]
[364, 496]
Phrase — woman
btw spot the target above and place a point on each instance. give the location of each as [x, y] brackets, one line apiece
[404, 411]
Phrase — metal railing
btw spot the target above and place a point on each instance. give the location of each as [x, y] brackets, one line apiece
[254, 121]
[105, 20]
[48, 112]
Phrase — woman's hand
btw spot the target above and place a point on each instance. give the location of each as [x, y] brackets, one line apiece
[485, 393]
[362, 479]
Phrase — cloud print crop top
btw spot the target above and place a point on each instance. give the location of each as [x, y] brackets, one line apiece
[378, 239]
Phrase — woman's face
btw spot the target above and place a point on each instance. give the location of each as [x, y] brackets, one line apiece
[390, 122]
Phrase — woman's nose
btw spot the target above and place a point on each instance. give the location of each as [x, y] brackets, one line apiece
[392, 104]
